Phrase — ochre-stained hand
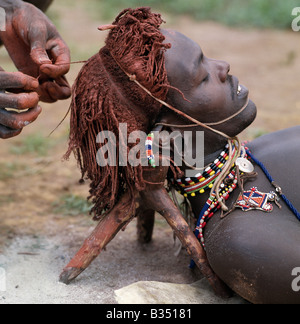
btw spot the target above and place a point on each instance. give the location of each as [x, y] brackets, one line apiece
[17, 91]
[38, 50]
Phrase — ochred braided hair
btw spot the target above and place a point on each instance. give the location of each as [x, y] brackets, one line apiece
[104, 97]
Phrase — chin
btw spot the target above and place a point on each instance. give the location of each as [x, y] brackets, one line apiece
[243, 121]
[250, 114]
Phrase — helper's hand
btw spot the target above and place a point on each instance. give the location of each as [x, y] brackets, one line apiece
[17, 91]
[38, 50]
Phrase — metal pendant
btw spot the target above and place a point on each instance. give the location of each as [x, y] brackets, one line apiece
[256, 200]
[244, 165]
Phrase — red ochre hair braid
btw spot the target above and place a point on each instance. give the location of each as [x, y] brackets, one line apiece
[103, 97]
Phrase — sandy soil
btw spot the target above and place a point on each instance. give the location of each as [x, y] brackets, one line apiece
[36, 242]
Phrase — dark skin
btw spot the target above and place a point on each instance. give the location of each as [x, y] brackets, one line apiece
[42, 58]
[254, 253]
[211, 92]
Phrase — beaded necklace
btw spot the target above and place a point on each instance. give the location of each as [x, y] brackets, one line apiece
[205, 181]
[212, 205]
[202, 181]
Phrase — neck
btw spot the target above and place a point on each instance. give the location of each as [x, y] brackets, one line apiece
[213, 145]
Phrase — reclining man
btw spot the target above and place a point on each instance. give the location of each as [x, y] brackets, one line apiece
[148, 77]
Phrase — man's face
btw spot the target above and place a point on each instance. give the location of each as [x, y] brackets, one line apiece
[213, 95]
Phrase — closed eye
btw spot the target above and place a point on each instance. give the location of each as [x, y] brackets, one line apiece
[206, 78]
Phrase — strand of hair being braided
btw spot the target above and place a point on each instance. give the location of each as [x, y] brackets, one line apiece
[103, 97]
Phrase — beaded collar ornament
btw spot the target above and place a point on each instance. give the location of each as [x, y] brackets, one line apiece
[202, 182]
[205, 181]
[213, 204]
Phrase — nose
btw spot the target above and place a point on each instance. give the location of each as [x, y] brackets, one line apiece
[223, 70]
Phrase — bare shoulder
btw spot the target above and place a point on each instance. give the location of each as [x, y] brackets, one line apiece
[280, 153]
[287, 140]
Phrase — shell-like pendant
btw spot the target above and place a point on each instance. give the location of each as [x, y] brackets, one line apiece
[244, 165]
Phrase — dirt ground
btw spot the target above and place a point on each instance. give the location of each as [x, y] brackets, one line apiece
[36, 241]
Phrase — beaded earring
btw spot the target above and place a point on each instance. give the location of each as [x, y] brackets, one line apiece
[149, 150]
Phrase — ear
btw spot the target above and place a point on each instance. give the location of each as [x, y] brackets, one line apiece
[168, 125]
[169, 138]
[169, 121]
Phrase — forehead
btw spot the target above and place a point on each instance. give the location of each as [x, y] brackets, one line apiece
[183, 57]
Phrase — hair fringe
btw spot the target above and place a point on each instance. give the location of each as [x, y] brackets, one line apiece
[103, 97]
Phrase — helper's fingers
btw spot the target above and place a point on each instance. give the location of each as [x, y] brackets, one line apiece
[17, 121]
[60, 89]
[55, 90]
[60, 55]
[37, 37]
[6, 133]
[19, 101]
[17, 80]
